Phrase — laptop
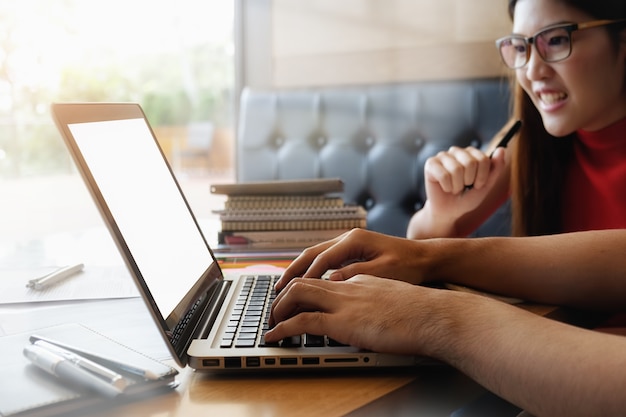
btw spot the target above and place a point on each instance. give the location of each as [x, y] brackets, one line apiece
[210, 320]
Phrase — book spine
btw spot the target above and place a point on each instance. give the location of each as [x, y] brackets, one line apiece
[281, 202]
[335, 213]
[318, 186]
[349, 223]
[286, 236]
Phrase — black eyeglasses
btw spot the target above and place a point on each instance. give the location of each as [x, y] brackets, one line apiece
[553, 43]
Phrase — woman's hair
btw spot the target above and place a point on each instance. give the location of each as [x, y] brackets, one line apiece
[540, 160]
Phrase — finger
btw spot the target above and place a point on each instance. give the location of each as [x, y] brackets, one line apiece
[355, 268]
[301, 295]
[482, 167]
[301, 264]
[469, 162]
[310, 322]
[498, 154]
[498, 164]
[435, 172]
[456, 170]
[348, 249]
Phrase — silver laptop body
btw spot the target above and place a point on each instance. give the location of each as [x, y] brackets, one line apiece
[190, 298]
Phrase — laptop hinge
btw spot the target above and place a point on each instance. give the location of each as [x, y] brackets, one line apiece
[212, 308]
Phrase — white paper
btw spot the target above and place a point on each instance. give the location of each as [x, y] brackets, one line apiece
[94, 282]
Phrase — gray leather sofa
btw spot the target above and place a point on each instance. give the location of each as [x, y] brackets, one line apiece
[376, 138]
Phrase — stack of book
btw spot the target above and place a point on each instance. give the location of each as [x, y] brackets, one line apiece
[285, 214]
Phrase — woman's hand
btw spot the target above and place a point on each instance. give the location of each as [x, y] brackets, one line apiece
[459, 182]
[356, 252]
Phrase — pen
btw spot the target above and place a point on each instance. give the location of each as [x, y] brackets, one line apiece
[502, 144]
[109, 362]
[509, 135]
[75, 369]
[54, 277]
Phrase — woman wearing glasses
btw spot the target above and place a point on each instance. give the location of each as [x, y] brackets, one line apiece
[566, 175]
[565, 172]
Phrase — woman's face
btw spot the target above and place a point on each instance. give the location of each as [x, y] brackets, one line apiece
[585, 91]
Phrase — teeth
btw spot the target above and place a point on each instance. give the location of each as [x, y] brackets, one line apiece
[551, 98]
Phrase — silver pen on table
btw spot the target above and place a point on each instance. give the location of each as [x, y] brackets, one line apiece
[75, 369]
[54, 277]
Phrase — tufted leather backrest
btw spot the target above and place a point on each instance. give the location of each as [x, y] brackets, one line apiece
[376, 138]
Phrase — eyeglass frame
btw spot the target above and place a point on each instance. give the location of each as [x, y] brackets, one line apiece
[568, 27]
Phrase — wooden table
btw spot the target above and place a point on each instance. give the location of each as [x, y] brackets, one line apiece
[328, 393]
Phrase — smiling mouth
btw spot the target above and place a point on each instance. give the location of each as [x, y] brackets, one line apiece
[552, 98]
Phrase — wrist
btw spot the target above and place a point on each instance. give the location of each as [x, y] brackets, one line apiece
[444, 259]
[426, 224]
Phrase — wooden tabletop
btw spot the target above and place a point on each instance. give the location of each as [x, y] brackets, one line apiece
[293, 395]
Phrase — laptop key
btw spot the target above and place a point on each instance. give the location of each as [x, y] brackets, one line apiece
[244, 343]
[263, 343]
[312, 340]
[292, 341]
[333, 342]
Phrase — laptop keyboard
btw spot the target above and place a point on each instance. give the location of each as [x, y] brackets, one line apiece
[248, 323]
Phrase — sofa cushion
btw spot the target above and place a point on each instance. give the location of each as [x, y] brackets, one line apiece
[376, 138]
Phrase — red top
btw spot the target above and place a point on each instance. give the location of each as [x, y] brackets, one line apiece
[595, 189]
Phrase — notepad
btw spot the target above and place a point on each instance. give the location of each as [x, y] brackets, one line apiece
[28, 391]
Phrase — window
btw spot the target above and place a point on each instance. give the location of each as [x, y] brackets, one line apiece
[175, 58]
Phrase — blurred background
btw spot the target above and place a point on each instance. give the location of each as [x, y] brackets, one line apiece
[178, 62]
[187, 62]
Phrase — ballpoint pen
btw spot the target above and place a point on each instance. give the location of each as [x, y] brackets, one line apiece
[75, 369]
[54, 277]
[112, 363]
[508, 136]
[502, 144]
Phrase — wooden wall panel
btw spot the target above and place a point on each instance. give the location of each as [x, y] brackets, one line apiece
[336, 42]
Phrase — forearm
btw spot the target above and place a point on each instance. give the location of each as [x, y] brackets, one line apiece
[545, 367]
[431, 223]
[425, 224]
[584, 269]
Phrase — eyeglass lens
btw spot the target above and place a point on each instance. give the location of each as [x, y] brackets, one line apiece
[551, 44]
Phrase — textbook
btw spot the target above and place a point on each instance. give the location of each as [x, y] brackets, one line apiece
[28, 391]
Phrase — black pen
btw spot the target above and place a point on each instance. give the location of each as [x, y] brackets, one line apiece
[503, 142]
[509, 135]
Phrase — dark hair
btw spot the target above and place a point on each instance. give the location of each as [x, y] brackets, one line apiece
[599, 9]
[539, 162]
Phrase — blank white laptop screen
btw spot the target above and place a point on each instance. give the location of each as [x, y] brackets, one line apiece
[167, 248]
